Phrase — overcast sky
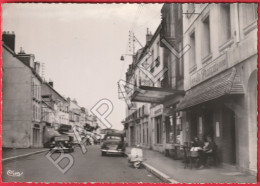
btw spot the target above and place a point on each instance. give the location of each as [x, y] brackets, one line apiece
[81, 45]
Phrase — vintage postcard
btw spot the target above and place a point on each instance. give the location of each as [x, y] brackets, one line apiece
[129, 92]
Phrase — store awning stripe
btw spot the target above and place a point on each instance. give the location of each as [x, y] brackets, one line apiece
[226, 83]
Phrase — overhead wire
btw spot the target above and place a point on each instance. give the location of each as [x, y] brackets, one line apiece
[133, 25]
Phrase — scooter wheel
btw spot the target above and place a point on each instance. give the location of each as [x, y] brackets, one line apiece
[137, 164]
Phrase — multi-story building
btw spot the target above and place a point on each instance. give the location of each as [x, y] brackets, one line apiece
[60, 106]
[220, 71]
[21, 97]
[74, 112]
[162, 86]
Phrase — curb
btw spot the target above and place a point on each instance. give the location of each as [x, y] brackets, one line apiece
[24, 155]
[162, 176]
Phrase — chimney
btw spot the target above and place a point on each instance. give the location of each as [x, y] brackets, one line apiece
[148, 36]
[75, 101]
[51, 83]
[28, 59]
[9, 40]
[37, 67]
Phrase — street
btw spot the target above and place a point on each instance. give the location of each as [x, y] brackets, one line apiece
[88, 167]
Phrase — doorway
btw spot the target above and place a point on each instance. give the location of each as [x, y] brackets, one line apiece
[229, 136]
[208, 124]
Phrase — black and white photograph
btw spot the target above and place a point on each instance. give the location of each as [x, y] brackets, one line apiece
[129, 92]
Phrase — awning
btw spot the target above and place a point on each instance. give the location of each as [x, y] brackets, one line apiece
[226, 83]
[153, 94]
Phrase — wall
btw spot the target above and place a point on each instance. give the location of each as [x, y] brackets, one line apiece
[17, 105]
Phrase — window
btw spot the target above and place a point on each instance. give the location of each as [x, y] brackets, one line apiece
[192, 55]
[152, 59]
[225, 33]
[143, 133]
[180, 64]
[158, 124]
[179, 11]
[206, 50]
[158, 49]
[249, 11]
[33, 112]
[191, 9]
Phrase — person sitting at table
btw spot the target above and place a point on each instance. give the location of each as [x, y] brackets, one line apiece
[207, 150]
[195, 151]
[196, 143]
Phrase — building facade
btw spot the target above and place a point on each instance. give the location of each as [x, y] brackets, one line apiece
[21, 97]
[220, 71]
[210, 89]
[60, 107]
[163, 87]
[74, 112]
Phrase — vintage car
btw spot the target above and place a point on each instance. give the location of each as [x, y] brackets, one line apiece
[113, 143]
[62, 143]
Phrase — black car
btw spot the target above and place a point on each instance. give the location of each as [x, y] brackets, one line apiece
[113, 143]
[62, 143]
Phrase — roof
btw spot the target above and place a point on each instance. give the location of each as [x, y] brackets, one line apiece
[45, 83]
[226, 83]
[14, 54]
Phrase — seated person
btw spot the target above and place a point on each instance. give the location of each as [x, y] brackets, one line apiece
[196, 143]
[196, 148]
[208, 149]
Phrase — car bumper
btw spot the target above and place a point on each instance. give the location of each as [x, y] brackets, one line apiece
[113, 151]
[61, 148]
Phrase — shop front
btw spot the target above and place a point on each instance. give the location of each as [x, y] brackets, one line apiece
[213, 108]
[158, 127]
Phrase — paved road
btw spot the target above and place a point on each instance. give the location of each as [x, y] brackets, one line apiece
[88, 167]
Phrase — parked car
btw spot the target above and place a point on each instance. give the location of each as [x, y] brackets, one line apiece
[113, 143]
[62, 143]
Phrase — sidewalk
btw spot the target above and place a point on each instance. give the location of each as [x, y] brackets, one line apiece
[175, 170]
[10, 153]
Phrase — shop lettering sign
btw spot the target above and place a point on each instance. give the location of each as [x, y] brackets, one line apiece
[159, 111]
[210, 70]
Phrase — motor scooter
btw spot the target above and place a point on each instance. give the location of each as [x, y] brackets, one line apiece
[136, 157]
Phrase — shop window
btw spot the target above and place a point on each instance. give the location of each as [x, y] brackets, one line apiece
[225, 32]
[206, 49]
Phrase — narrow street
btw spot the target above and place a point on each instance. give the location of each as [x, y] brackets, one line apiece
[88, 167]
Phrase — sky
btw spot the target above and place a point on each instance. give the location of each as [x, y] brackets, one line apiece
[81, 45]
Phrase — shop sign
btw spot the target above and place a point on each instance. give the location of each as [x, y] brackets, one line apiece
[210, 70]
[158, 110]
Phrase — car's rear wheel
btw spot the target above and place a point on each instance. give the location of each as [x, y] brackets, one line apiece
[103, 153]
